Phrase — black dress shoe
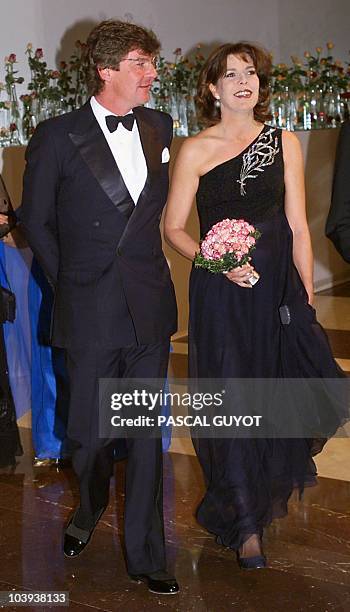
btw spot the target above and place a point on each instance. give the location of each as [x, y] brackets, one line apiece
[75, 539]
[159, 583]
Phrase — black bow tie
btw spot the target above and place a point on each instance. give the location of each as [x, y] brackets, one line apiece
[113, 121]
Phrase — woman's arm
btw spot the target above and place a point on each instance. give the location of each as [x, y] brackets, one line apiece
[183, 189]
[184, 185]
[296, 210]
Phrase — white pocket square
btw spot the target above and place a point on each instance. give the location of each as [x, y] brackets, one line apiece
[165, 155]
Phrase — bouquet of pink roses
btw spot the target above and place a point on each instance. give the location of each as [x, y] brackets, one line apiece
[227, 245]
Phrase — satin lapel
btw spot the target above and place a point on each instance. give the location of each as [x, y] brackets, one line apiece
[152, 149]
[89, 139]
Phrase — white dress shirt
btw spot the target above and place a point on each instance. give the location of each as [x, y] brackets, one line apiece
[126, 149]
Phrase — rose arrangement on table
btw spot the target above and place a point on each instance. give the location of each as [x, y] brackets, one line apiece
[227, 245]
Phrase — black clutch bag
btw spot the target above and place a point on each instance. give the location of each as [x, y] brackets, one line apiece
[7, 306]
[285, 314]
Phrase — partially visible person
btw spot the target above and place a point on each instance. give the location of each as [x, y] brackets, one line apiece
[338, 220]
[10, 444]
[37, 371]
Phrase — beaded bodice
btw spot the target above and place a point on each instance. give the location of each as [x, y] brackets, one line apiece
[249, 186]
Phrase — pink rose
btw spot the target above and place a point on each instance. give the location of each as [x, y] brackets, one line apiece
[233, 236]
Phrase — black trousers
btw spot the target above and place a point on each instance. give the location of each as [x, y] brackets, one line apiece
[93, 457]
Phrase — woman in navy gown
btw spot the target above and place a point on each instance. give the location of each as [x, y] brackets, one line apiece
[241, 168]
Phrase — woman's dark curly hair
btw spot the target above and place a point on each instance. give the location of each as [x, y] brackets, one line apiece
[216, 66]
[109, 42]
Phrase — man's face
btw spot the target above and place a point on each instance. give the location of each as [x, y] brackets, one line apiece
[131, 84]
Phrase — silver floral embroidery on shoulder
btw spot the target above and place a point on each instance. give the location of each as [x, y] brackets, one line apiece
[261, 154]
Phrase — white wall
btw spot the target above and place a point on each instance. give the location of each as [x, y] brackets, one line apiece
[306, 24]
[54, 25]
[284, 26]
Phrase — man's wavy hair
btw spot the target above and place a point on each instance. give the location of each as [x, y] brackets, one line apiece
[216, 66]
[109, 42]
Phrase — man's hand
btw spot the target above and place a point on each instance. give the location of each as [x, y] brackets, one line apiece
[14, 237]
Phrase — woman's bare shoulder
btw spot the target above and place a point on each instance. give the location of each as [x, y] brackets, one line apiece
[290, 140]
[198, 148]
[292, 151]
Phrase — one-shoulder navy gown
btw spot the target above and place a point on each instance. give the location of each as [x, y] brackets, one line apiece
[237, 333]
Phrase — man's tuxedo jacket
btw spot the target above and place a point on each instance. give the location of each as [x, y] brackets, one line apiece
[103, 255]
[338, 222]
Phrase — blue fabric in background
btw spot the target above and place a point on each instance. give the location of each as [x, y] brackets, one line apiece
[49, 380]
[14, 273]
[37, 371]
[166, 411]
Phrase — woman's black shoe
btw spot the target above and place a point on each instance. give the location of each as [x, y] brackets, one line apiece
[257, 562]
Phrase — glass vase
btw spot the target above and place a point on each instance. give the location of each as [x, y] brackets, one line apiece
[4, 124]
[315, 108]
[304, 112]
[192, 121]
[178, 111]
[28, 124]
[290, 109]
[279, 110]
[332, 108]
[14, 118]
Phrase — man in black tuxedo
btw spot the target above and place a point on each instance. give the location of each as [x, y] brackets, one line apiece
[95, 184]
[338, 221]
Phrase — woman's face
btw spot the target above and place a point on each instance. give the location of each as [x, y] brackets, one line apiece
[238, 88]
